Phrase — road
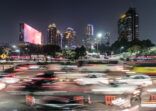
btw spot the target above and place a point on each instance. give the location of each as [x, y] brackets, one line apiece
[13, 96]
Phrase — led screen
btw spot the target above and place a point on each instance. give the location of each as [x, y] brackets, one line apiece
[31, 35]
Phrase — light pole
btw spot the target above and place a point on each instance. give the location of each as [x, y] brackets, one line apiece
[99, 36]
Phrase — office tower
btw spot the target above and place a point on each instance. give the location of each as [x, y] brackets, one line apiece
[68, 38]
[54, 35]
[88, 40]
[128, 25]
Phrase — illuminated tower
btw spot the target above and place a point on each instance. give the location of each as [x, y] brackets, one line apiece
[68, 38]
[53, 35]
[128, 25]
[88, 40]
[90, 30]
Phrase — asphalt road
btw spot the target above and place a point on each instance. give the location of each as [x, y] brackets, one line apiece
[12, 98]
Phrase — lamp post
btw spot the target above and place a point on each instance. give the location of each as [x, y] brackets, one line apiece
[99, 36]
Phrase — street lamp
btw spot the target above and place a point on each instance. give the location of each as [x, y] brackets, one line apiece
[99, 36]
[14, 46]
[66, 46]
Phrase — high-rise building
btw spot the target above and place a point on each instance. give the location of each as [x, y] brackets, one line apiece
[88, 40]
[90, 30]
[54, 35]
[128, 25]
[68, 38]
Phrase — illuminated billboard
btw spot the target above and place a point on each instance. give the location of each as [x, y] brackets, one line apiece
[29, 34]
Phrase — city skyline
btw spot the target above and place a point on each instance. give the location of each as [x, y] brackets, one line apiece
[103, 14]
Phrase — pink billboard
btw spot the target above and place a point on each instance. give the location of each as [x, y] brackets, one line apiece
[31, 35]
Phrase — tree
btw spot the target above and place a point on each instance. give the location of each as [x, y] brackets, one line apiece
[80, 52]
[134, 48]
[117, 45]
[132, 45]
[69, 54]
[147, 43]
[51, 49]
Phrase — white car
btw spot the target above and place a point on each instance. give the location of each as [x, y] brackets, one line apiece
[140, 79]
[9, 80]
[34, 67]
[92, 80]
[2, 86]
[115, 88]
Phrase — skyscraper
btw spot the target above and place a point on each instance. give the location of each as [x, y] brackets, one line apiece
[68, 38]
[128, 25]
[90, 30]
[89, 35]
[54, 36]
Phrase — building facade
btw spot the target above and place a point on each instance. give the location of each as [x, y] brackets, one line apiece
[54, 35]
[128, 25]
[88, 40]
[69, 37]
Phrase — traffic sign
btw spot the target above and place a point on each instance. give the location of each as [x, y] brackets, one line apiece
[4, 56]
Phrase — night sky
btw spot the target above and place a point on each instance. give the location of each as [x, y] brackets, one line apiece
[103, 14]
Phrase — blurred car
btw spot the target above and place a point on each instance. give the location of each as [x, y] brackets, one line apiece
[146, 70]
[115, 88]
[33, 67]
[69, 67]
[91, 80]
[9, 79]
[95, 75]
[140, 79]
[39, 79]
[57, 102]
[47, 75]
[21, 68]
[2, 85]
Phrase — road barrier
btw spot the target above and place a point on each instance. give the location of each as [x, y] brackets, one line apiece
[30, 100]
[153, 97]
[79, 99]
[108, 99]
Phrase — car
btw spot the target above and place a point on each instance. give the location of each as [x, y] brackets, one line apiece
[21, 67]
[9, 78]
[115, 88]
[33, 67]
[69, 68]
[41, 78]
[47, 75]
[92, 80]
[149, 70]
[58, 103]
[138, 79]
[95, 75]
[2, 86]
